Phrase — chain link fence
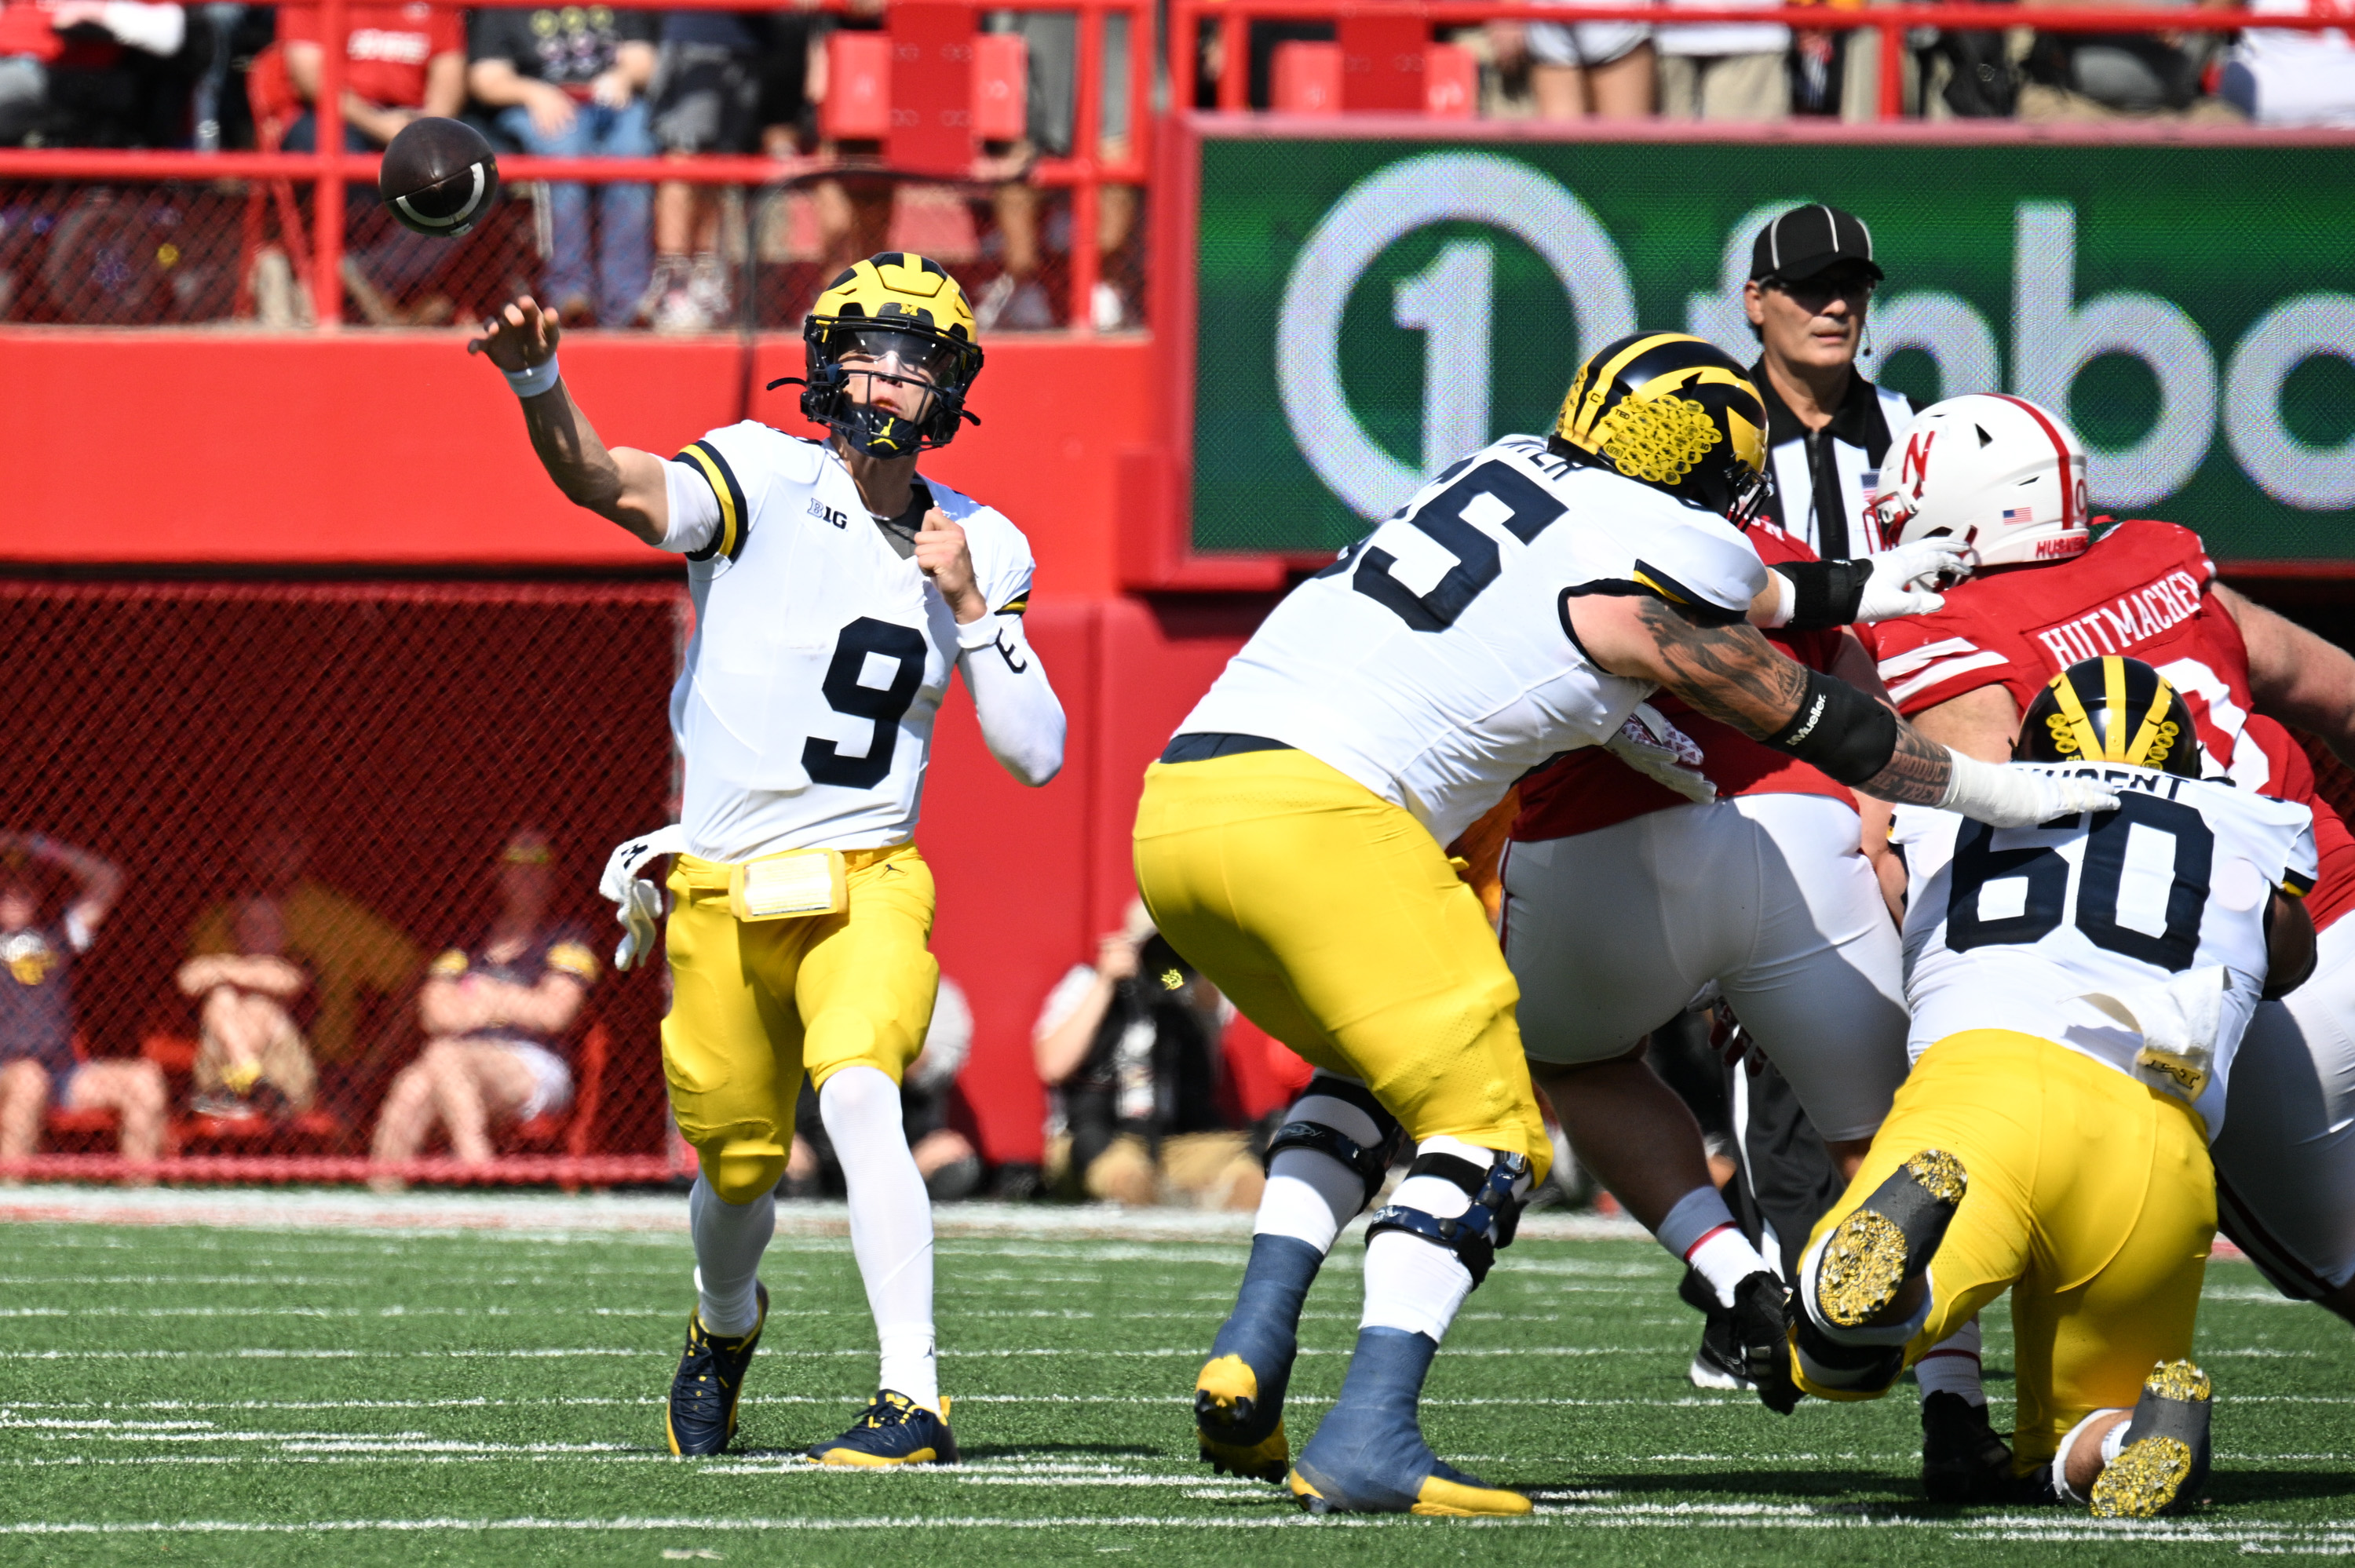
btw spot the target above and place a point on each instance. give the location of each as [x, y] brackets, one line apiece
[239, 253]
[334, 774]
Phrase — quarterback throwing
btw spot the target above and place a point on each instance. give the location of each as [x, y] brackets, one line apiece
[834, 589]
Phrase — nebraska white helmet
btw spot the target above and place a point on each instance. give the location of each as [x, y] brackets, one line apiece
[2000, 474]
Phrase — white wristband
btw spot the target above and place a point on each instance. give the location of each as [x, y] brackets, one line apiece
[533, 380]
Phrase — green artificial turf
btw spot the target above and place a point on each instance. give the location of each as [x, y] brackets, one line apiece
[180, 1393]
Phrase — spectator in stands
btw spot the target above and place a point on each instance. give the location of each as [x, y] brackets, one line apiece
[1131, 1047]
[1724, 70]
[569, 83]
[944, 1157]
[402, 62]
[2284, 76]
[38, 1053]
[1015, 300]
[62, 76]
[252, 1058]
[1578, 69]
[2111, 75]
[361, 966]
[495, 1016]
[706, 97]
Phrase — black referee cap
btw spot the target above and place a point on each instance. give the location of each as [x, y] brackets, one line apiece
[1806, 240]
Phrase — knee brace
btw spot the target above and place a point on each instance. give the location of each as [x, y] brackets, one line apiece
[1371, 1163]
[1475, 1234]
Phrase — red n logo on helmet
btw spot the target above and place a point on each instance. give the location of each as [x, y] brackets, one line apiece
[1917, 466]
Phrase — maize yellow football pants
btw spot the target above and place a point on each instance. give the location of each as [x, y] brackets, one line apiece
[2091, 1200]
[1332, 919]
[756, 1003]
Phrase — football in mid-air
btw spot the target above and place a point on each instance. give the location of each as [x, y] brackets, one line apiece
[438, 176]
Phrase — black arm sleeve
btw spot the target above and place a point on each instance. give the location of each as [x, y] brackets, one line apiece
[1838, 729]
[1825, 593]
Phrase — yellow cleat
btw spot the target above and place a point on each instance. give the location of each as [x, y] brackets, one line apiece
[1225, 1398]
[2163, 1467]
[1888, 1237]
[1437, 1498]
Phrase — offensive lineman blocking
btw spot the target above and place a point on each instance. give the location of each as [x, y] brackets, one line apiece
[834, 591]
[1288, 841]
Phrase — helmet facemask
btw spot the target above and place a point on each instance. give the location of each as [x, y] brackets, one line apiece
[847, 355]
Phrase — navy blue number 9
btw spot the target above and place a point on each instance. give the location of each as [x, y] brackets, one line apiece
[886, 705]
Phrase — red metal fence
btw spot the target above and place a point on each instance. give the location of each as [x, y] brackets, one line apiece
[93, 237]
[353, 757]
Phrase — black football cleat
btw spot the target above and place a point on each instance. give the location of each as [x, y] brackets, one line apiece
[2163, 1468]
[1759, 1331]
[892, 1430]
[701, 1418]
[1963, 1459]
[1887, 1239]
[1716, 1364]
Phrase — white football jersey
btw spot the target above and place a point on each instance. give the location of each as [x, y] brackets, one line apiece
[1432, 663]
[819, 656]
[2015, 928]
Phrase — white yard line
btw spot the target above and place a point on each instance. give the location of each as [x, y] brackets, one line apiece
[2337, 1535]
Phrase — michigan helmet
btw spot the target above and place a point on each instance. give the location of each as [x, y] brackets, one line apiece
[1675, 412]
[2110, 709]
[2004, 475]
[894, 317]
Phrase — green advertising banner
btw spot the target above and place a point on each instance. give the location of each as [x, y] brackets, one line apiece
[1369, 310]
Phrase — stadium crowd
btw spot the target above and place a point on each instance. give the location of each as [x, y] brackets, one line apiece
[302, 1018]
[603, 82]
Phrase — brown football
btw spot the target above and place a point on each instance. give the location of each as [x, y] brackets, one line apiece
[438, 176]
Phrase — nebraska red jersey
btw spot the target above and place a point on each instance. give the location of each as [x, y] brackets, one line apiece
[2141, 590]
[2334, 845]
[1590, 789]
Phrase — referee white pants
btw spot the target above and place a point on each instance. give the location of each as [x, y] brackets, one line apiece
[2286, 1157]
[1766, 896]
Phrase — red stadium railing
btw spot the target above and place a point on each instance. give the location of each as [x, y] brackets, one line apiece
[1084, 174]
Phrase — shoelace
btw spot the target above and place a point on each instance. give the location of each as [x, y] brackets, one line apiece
[893, 1411]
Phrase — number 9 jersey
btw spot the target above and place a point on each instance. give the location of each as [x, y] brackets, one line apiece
[2019, 929]
[821, 655]
[1434, 663]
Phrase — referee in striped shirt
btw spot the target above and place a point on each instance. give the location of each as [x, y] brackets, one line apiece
[1811, 280]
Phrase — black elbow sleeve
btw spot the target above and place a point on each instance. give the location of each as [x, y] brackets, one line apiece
[1838, 729]
[1825, 593]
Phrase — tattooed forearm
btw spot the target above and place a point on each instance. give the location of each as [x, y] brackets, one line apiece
[1730, 673]
[1917, 773]
[1737, 677]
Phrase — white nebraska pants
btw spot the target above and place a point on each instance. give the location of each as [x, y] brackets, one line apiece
[2286, 1159]
[1766, 897]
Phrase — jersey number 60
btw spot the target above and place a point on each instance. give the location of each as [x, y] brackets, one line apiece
[2102, 894]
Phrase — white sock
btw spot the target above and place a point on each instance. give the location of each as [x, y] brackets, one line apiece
[729, 1241]
[891, 1225]
[1699, 1230]
[1412, 1284]
[2111, 1441]
[1310, 1196]
[1952, 1365]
